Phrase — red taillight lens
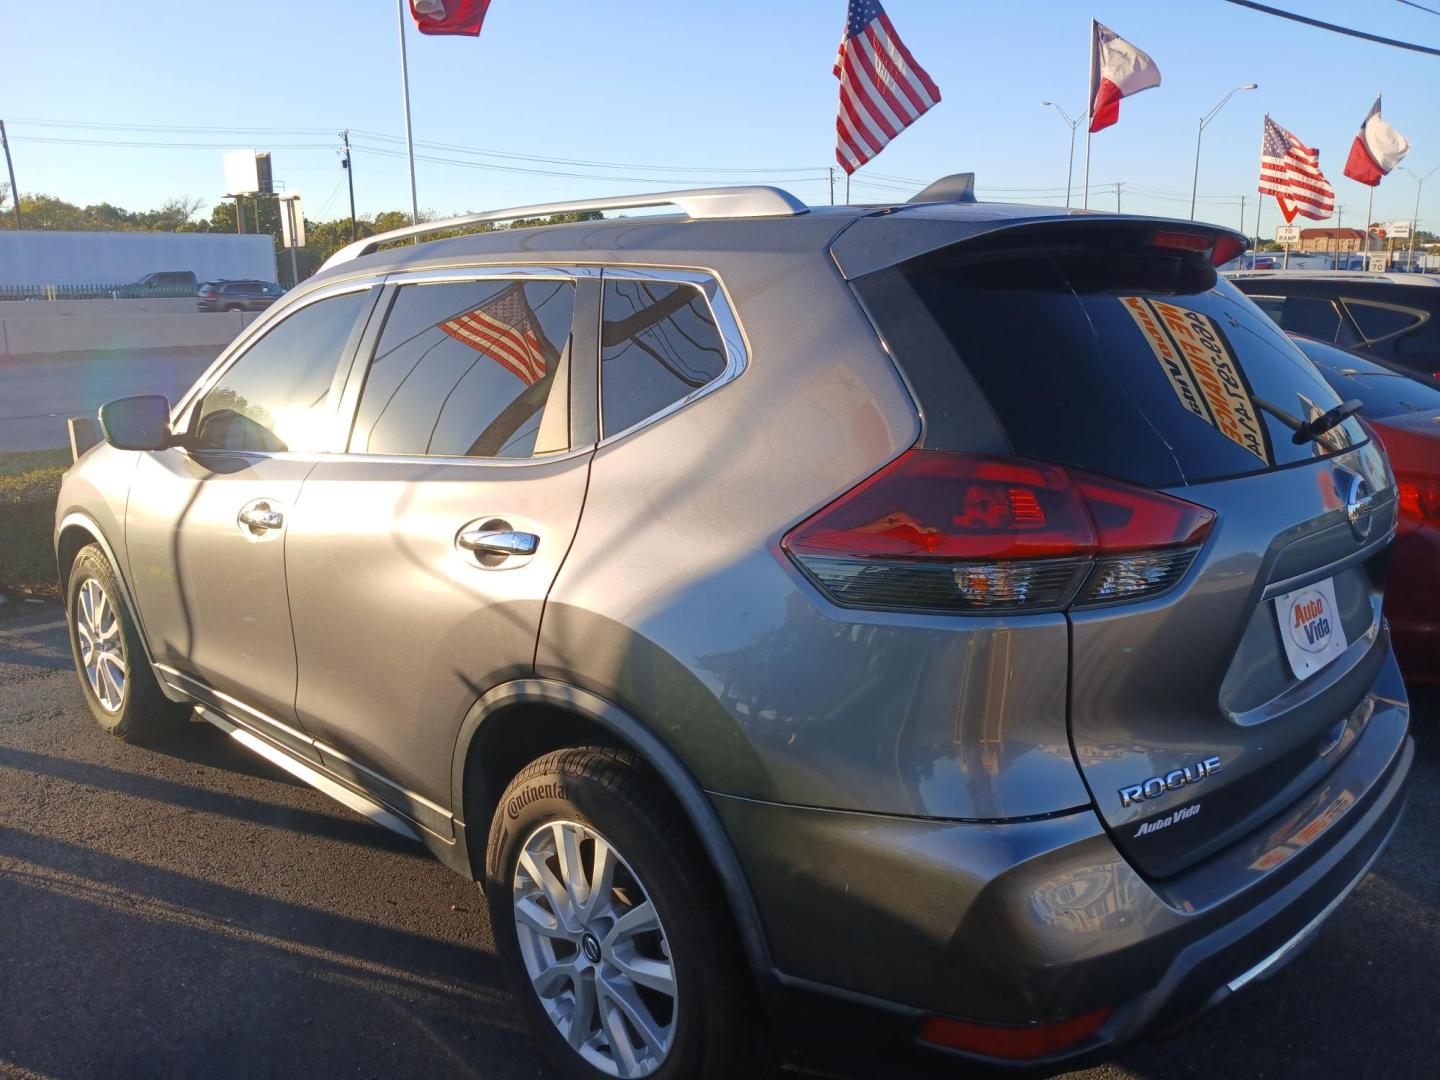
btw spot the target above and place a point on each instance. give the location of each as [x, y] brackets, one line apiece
[1013, 1043]
[1419, 500]
[960, 532]
[209, 296]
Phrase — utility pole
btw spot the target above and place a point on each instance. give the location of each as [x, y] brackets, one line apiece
[15, 191]
[1242, 213]
[350, 179]
[1414, 218]
[1118, 185]
[831, 171]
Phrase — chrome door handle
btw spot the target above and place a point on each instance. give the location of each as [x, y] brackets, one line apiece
[504, 542]
[261, 518]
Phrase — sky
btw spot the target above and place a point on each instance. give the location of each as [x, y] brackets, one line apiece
[667, 94]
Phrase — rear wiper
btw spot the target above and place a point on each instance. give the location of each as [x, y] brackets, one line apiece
[1311, 430]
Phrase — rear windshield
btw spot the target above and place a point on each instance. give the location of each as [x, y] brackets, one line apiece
[1139, 365]
[1384, 392]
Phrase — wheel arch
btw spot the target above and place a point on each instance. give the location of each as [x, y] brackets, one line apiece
[77, 530]
[557, 713]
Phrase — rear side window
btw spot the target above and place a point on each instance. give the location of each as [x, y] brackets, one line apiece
[470, 369]
[1377, 321]
[1384, 392]
[1315, 317]
[273, 397]
[1141, 366]
[659, 344]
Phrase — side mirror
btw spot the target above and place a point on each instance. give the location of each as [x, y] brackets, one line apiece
[137, 423]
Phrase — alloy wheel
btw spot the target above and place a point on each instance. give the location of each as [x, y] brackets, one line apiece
[102, 653]
[595, 949]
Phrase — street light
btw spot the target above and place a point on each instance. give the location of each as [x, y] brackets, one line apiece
[1195, 182]
[1072, 124]
[1415, 220]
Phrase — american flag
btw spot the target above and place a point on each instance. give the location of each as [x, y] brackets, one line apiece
[506, 329]
[882, 89]
[1290, 171]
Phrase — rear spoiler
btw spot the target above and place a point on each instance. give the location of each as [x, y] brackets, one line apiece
[896, 235]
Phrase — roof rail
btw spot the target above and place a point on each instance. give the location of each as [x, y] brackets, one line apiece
[957, 187]
[745, 201]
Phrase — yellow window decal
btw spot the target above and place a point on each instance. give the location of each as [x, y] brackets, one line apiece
[1201, 369]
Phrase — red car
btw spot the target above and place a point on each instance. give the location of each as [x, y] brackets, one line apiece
[1404, 410]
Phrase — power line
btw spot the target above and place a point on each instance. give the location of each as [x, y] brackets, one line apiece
[1267, 10]
[1422, 7]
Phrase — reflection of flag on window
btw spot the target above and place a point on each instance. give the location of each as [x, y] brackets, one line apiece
[505, 329]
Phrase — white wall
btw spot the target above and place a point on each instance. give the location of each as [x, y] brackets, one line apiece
[37, 257]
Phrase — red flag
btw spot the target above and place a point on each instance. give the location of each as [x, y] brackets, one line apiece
[1117, 70]
[449, 16]
[1376, 150]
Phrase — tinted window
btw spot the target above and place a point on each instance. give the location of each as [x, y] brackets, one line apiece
[659, 344]
[273, 397]
[1143, 367]
[470, 369]
[1378, 322]
[1384, 392]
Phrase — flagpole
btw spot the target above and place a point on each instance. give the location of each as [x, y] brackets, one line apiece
[409, 138]
[847, 187]
[1369, 207]
[1259, 204]
[1089, 106]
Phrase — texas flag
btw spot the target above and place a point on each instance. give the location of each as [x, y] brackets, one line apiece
[1377, 149]
[1117, 70]
[449, 16]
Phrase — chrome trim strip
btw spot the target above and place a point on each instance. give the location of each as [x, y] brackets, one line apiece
[737, 350]
[330, 751]
[196, 686]
[318, 780]
[535, 272]
[748, 201]
[1260, 969]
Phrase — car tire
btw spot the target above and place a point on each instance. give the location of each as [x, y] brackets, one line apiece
[115, 676]
[584, 959]
[234, 307]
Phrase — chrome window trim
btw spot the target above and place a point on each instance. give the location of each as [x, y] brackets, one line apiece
[539, 272]
[737, 348]
[273, 316]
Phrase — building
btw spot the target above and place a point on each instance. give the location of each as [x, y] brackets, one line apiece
[1332, 240]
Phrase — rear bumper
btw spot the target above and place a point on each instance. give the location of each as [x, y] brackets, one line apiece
[893, 920]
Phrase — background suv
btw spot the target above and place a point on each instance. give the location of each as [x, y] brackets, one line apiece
[1391, 317]
[237, 295]
[966, 616]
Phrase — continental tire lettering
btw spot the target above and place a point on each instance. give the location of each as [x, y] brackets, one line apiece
[551, 790]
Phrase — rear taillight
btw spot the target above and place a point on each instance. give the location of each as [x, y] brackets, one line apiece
[935, 531]
[209, 296]
[1419, 500]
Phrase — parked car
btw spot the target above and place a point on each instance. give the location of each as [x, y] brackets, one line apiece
[1387, 316]
[161, 283]
[1404, 409]
[237, 295]
[959, 617]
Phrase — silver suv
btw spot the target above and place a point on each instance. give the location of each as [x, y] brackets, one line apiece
[963, 619]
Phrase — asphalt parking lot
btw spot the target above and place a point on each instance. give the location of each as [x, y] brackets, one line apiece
[191, 911]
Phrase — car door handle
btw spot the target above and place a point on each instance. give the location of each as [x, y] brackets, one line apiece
[261, 518]
[503, 542]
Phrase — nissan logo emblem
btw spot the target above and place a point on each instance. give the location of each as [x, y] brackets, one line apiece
[1358, 504]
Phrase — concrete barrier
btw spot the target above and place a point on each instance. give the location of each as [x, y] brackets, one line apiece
[49, 309]
[92, 333]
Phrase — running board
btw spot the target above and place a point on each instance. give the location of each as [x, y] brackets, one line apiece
[316, 779]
